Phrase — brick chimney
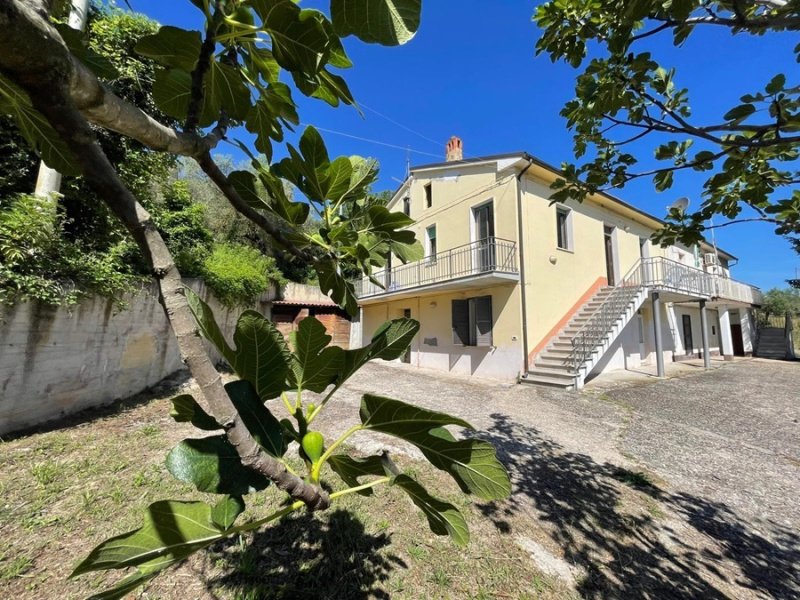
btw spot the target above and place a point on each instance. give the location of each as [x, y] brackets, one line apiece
[454, 149]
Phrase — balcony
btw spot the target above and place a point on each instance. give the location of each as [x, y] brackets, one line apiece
[487, 262]
[667, 275]
[730, 289]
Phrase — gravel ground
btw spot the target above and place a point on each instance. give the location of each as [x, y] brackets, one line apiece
[679, 488]
[732, 435]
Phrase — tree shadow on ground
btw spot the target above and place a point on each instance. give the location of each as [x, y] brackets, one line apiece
[304, 556]
[637, 553]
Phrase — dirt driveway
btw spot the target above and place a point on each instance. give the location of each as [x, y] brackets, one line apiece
[680, 488]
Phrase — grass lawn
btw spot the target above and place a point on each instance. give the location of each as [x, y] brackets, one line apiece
[65, 490]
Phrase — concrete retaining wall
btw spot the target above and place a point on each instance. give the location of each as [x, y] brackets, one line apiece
[56, 361]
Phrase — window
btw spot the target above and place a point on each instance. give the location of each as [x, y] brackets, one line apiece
[407, 207]
[430, 243]
[644, 248]
[472, 321]
[563, 218]
[428, 195]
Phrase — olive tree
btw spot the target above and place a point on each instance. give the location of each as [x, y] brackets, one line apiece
[624, 96]
[242, 71]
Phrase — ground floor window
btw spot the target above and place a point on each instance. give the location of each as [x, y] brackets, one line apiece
[472, 321]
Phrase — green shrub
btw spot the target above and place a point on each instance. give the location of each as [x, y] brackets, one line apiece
[239, 274]
[183, 225]
[37, 262]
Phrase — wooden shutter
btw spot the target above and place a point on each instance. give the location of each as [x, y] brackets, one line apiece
[483, 321]
[460, 310]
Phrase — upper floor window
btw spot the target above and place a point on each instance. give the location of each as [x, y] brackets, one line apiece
[428, 195]
[407, 206]
[563, 228]
[430, 243]
[644, 247]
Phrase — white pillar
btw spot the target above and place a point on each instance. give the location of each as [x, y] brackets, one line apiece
[357, 330]
[748, 330]
[725, 337]
[704, 334]
[78, 14]
[672, 324]
[657, 328]
[49, 180]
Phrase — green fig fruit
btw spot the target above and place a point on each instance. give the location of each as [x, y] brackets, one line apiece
[313, 443]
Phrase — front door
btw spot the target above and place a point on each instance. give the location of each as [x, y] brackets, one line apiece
[737, 340]
[406, 358]
[484, 236]
[609, 244]
[688, 343]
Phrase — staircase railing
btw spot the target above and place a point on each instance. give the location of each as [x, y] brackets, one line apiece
[601, 321]
[657, 273]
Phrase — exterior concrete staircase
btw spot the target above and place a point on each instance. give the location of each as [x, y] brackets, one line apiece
[576, 350]
[552, 367]
[563, 363]
[772, 343]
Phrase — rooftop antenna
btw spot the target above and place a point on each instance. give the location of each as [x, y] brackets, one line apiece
[408, 161]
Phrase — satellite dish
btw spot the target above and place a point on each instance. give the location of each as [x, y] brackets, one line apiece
[681, 204]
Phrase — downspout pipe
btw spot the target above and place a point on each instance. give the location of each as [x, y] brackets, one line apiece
[521, 246]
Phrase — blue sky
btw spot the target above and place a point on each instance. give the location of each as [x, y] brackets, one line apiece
[471, 71]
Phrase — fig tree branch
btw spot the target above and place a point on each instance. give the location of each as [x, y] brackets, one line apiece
[49, 89]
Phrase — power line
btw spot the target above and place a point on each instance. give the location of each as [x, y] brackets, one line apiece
[392, 121]
[417, 133]
[363, 139]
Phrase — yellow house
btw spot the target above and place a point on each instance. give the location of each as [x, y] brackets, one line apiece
[513, 287]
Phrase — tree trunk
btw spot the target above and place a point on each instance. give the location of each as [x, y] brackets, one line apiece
[46, 79]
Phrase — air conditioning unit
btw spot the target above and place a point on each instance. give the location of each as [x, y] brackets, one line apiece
[710, 259]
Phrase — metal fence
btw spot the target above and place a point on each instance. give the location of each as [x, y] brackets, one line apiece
[491, 255]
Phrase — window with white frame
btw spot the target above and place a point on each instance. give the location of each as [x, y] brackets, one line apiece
[430, 243]
[564, 228]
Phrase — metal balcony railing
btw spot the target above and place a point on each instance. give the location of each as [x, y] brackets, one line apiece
[664, 274]
[490, 255]
[730, 289]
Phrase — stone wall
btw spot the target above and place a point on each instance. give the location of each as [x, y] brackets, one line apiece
[56, 361]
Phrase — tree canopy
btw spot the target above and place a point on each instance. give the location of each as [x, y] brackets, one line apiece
[242, 71]
[625, 98]
[781, 302]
